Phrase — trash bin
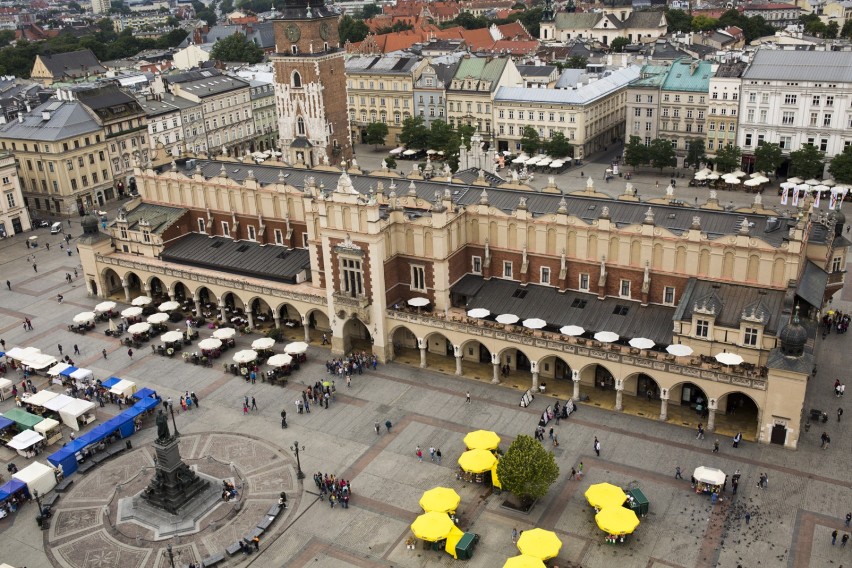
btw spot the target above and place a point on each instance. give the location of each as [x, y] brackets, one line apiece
[639, 503]
[465, 546]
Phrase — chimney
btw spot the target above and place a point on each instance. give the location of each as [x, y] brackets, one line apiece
[45, 115]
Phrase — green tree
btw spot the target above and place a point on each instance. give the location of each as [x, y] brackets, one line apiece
[678, 21]
[172, 22]
[227, 6]
[351, 29]
[846, 31]
[440, 135]
[464, 133]
[703, 23]
[635, 152]
[756, 27]
[807, 162]
[832, 30]
[367, 11]
[6, 37]
[768, 157]
[470, 22]
[172, 39]
[395, 28]
[841, 166]
[376, 134]
[662, 154]
[530, 141]
[812, 24]
[414, 133]
[576, 62]
[559, 146]
[118, 7]
[695, 153]
[527, 470]
[237, 47]
[75, 7]
[728, 158]
[618, 44]
[209, 16]
[532, 20]
[390, 161]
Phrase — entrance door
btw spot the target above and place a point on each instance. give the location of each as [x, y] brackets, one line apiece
[603, 378]
[779, 434]
[484, 354]
[16, 225]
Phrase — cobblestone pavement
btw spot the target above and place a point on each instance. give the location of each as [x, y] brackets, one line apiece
[791, 521]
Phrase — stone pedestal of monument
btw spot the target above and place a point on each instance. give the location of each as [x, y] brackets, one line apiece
[174, 485]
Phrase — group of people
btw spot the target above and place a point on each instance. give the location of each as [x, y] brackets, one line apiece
[836, 320]
[228, 491]
[351, 365]
[338, 490]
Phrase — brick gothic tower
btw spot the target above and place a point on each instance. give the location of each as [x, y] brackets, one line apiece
[310, 84]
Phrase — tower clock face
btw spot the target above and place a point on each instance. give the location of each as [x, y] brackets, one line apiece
[293, 33]
[324, 30]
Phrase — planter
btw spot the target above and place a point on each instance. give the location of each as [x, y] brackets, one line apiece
[516, 504]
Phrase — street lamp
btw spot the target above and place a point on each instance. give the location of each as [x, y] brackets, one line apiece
[171, 555]
[172, 411]
[295, 448]
[38, 500]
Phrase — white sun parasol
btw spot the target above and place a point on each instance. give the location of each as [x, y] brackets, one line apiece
[796, 180]
[225, 333]
[141, 327]
[158, 318]
[478, 313]
[534, 323]
[105, 306]
[729, 358]
[507, 319]
[606, 336]
[171, 337]
[84, 317]
[812, 181]
[641, 343]
[245, 356]
[739, 173]
[263, 343]
[168, 306]
[296, 348]
[280, 360]
[141, 301]
[828, 182]
[132, 312]
[712, 176]
[418, 302]
[209, 343]
[754, 182]
[679, 350]
[700, 176]
[572, 330]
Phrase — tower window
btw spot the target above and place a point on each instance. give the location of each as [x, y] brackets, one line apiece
[297, 79]
[294, 49]
[300, 126]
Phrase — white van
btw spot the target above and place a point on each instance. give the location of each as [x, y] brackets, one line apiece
[56, 228]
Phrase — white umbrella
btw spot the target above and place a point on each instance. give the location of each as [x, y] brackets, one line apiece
[296, 348]
[812, 181]
[396, 151]
[209, 343]
[158, 318]
[168, 306]
[751, 182]
[713, 176]
[263, 343]
[704, 171]
[409, 152]
[641, 343]
[606, 336]
[828, 182]
[533, 161]
[544, 161]
[478, 313]
[105, 306]
[245, 356]
[418, 302]
[171, 337]
[112, 326]
[788, 185]
[739, 173]
[732, 181]
[761, 179]
[820, 188]
[557, 164]
[132, 312]
[803, 187]
[795, 180]
[507, 319]
[520, 160]
[84, 317]
[534, 323]
[729, 358]
[700, 176]
[709, 475]
[280, 360]
[679, 350]
[572, 330]
[141, 327]
[225, 333]
[141, 301]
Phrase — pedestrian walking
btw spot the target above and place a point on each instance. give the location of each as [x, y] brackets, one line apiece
[388, 425]
[514, 535]
[555, 440]
[716, 446]
[103, 352]
[844, 540]
[748, 517]
[9, 285]
[60, 349]
[194, 398]
[376, 426]
[833, 537]
[597, 446]
[580, 471]
[678, 473]
[324, 339]
[700, 435]
[550, 434]
[737, 439]
[438, 456]
[573, 474]
[432, 454]
[839, 411]
[130, 353]
[419, 453]
[467, 397]
[283, 419]
[76, 349]
[35, 267]
[245, 409]
[253, 404]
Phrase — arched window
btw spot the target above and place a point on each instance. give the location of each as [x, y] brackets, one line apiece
[372, 116]
[300, 126]
[294, 49]
[297, 79]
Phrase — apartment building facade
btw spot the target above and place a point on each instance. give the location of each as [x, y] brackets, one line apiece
[470, 95]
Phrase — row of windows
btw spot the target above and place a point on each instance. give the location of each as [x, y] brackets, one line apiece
[750, 334]
[157, 126]
[689, 98]
[551, 116]
[457, 107]
[382, 101]
[250, 230]
[47, 149]
[501, 129]
[786, 142]
[372, 85]
[690, 113]
[226, 102]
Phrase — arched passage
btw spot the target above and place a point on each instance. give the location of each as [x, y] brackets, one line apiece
[134, 284]
[158, 290]
[515, 360]
[181, 292]
[642, 385]
[439, 344]
[288, 313]
[738, 412]
[317, 319]
[260, 311]
[356, 336]
[597, 376]
[553, 367]
[232, 301]
[475, 352]
[112, 284]
[689, 395]
[404, 342]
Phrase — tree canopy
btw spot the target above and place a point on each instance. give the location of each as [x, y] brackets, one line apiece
[530, 141]
[661, 154]
[753, 28]
[807, 162]
[618, 44]
[841, 166]
[768, 157]
[351, 29]
[635, 152]
[237, 47]
[728, 158]
[376, 133]
[367, 11]
[527, 469]
[559, 146]
[415, 134]
[695, 153]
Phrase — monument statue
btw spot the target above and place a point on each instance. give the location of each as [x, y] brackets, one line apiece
[163, 426]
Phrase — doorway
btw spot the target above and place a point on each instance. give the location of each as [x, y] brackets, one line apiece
[779, 434]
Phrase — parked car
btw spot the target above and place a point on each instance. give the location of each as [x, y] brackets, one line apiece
[40, 223]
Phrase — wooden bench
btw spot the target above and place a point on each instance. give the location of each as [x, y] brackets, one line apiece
[64, 484]
[49, 500]
[233, 549]
[256, 531]
[116, 449]
[85, 466]
[264, 524]
[213, 560]
[273, 511]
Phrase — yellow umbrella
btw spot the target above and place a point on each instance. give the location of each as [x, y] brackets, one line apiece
[432, 526]
[440, 500]
[617, 520]
[477, 461]
[602, 495]
[523, 561]
[540, 543]
[482, 440]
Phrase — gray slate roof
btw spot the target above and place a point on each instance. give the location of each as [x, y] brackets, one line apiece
[812, 284]
[545, 302]
[262, 33]
[383, 65]
[270, 262]
[730, 302]
[784, 65]
[158, 217]
[72, 64]
[676, 219]
[68, 119]
[536, 70]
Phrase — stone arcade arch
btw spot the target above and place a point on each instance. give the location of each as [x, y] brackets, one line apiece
[356, 336]
[180, 292]
[157, 289]
[640, 385]
[738, 412]
[111, 284]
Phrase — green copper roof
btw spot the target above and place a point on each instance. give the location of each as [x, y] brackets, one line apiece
[688, 75]
[650, 76]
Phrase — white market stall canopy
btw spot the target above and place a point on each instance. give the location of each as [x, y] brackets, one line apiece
[31, 357]
[38, 477]
[709, 475]
[57, 369]
[59, 402]
[41, 398]
[123, 388]
[73, 410]
[25, 439]
[83, 375]
[46, 425]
